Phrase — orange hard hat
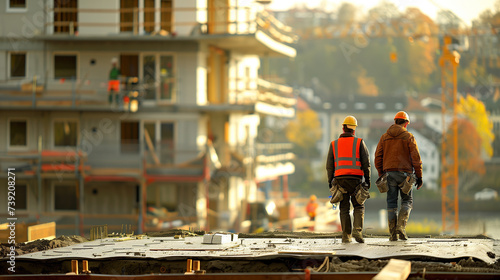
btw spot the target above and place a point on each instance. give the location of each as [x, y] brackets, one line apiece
[402, 115]
[312, 197]
[350, 120]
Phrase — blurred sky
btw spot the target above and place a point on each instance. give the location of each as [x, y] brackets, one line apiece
[467, 10]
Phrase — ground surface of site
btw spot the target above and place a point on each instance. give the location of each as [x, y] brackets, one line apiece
[271, 252]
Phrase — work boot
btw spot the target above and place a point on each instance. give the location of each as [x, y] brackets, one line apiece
[357, 231]
[404, 215]
[346, 238]
[345, 221]
[393, 220]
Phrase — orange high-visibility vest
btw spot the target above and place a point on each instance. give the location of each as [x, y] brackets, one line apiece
[347, 159]
[311, 208]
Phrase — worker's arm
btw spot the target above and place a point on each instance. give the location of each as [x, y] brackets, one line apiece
[365, 161]
[416, 161]
[330, 165]
[379, 156]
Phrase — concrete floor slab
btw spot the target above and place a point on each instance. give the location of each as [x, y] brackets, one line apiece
[486, 250]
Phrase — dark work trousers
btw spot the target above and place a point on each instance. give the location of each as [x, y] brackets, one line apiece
[349, 185]
[395, 178]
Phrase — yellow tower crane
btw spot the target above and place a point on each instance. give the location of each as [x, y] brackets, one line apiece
[449, 62]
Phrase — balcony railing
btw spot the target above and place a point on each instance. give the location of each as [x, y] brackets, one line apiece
[250, 91]
[106, 158]
[88, 93]
[165, 21]
[80, 93]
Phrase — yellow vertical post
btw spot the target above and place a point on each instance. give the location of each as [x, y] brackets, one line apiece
[444, 178]
[223, 77]
[449, 162]
[74, 266]
[455, 142]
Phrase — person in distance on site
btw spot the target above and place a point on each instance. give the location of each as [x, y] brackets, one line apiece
[311, 207]
[397, 155]
[348, 162]
[114, 81]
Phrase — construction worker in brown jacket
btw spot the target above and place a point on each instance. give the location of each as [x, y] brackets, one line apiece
[397, 155]
[348, 162]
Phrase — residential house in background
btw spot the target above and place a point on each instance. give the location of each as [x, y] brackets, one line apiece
[177, 143]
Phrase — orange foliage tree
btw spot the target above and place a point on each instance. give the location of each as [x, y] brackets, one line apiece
[475, 111]
[421, 53]
[470, 163]
[475, 137]
[366, 84]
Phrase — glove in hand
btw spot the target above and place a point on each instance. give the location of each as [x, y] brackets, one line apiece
[419, 183]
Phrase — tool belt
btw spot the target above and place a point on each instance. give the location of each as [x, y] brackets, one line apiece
[337, 192]
[362, 193]
[408, 183]
[382, 183]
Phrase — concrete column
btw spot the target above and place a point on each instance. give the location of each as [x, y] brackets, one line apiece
[141, 17]
[157, 15]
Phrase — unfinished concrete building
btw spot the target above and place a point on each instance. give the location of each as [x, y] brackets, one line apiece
[173, 142]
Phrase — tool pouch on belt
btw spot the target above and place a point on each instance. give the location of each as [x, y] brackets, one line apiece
[382, 183]
[408, 183]
[362, 193]
[337, 192]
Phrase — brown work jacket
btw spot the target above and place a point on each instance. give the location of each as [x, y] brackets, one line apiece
[397, 150]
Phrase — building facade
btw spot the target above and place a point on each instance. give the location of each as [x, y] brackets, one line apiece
[172, 138]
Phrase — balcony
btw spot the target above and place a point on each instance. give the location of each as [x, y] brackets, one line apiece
[274, 160]
[89, 94]
[267, 97]
[244, 29]
[131, 161]
[108, 161]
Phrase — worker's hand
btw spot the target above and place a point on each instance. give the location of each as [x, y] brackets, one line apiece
[366, 185]
[419, 183]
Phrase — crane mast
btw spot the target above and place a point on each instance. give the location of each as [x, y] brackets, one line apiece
[449, 62]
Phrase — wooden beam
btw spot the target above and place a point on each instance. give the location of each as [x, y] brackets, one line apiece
[151, 147]
[394, 270]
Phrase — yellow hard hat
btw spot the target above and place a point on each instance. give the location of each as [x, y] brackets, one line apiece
[312, 197]
[403, 116]
[350, 120]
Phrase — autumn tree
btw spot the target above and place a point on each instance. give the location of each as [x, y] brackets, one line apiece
[346, 13]
[421, 50]
[349, 60]
[475, 138]
[304, 131]
[475, 111]
[366, 84]
[489, 19]
[384, 11]
[470, 163]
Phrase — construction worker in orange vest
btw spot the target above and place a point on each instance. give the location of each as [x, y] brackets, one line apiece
[348, 162]
[397, 155]
[311, 207]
